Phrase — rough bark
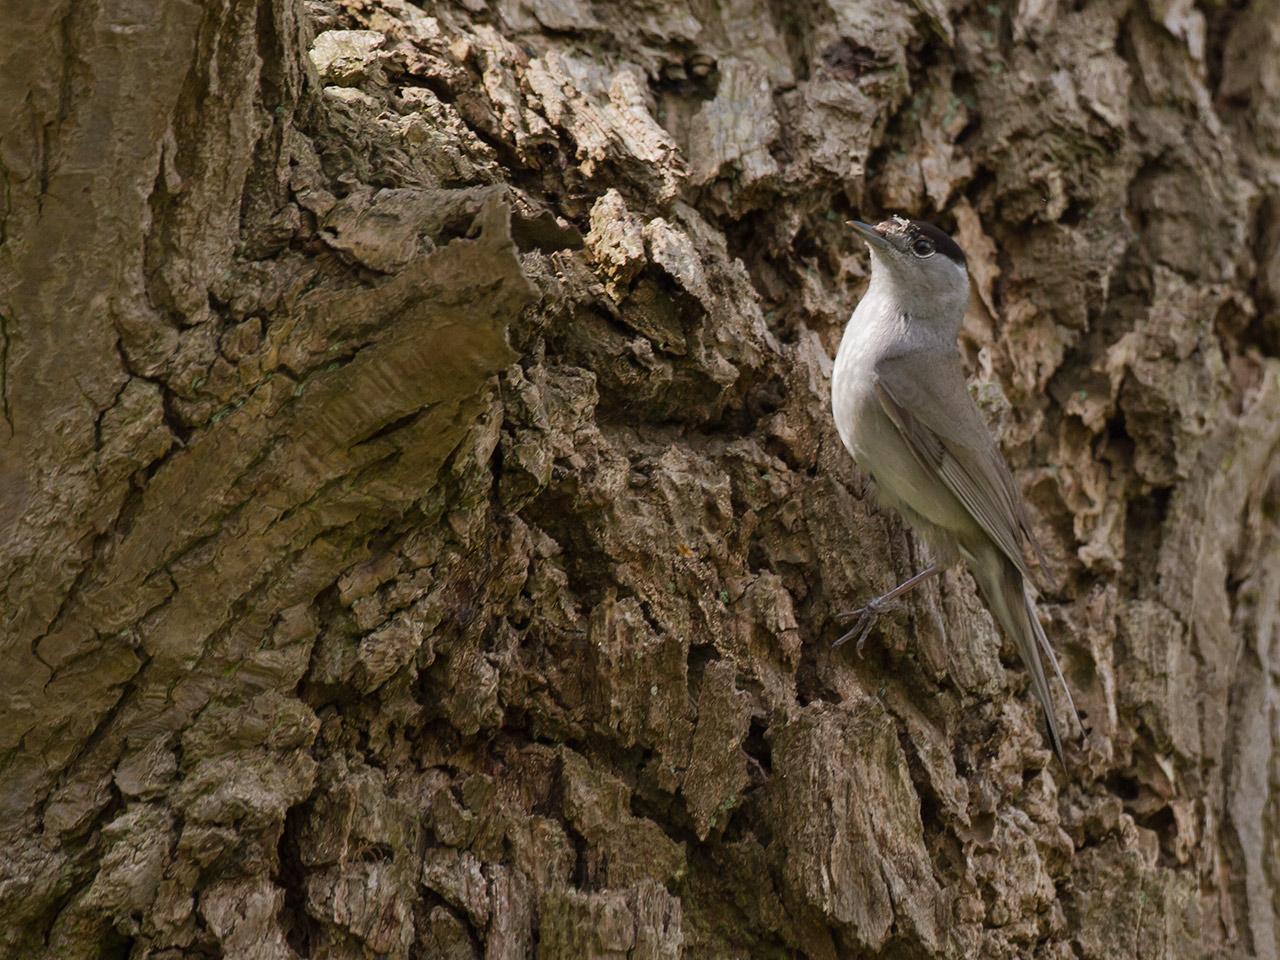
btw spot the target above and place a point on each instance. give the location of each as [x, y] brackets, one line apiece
[423, 524]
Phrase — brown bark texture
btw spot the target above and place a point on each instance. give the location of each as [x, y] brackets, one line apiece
[424, 528]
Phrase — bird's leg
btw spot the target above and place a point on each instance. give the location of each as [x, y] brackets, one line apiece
[866, 616]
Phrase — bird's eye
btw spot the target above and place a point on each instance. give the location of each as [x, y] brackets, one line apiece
[922, 248]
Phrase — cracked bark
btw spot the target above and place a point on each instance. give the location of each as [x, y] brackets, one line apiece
[423, 524]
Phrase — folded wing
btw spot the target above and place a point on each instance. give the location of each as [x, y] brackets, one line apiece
[930, 413]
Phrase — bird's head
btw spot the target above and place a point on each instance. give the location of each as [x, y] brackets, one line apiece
[919, 265]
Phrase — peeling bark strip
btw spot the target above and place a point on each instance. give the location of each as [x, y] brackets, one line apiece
[423, 523]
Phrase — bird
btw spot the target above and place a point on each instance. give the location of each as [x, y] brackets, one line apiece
[902, 409]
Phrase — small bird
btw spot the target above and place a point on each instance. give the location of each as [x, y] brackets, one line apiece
[900, 404]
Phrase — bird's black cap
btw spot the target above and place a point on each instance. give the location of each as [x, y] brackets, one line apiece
[941, 242]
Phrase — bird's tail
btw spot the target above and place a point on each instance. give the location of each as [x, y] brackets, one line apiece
[1007, 596]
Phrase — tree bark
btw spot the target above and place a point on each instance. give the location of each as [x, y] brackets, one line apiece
[424, 525]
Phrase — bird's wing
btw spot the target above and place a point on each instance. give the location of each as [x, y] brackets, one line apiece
[931, 407]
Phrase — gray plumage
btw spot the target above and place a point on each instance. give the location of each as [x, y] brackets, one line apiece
[903, 411]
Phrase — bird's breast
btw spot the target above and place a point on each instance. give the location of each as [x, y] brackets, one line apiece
[872, 438]
[853, 398]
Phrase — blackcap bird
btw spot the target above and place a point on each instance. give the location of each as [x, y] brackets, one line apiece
[901, 407]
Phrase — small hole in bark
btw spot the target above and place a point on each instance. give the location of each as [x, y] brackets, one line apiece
[1144, 523]
[699, 658]
[1076, 212]
[1126, 788]
[292, 878]
[115, 946]
[756, 747]
[928, 807]
[1161, 821]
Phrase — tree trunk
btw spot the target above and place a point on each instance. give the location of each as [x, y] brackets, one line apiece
[423, 524]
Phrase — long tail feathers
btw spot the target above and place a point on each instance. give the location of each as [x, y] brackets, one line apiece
[1053, 661]
[1012, 605]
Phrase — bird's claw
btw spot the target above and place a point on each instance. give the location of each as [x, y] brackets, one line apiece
[864, 619]
[859, 634]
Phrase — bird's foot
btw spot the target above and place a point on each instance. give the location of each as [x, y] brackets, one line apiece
[864, 618]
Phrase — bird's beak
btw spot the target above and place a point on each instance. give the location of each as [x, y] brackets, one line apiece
[869, 234]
